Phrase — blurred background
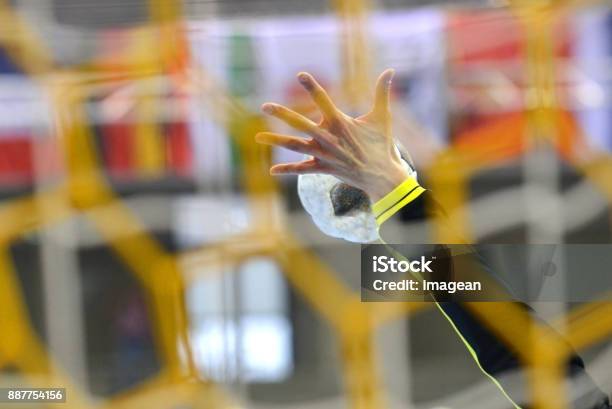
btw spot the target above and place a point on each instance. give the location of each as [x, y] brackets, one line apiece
[148, 260]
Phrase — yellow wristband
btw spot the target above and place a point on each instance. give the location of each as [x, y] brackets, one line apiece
[399, 197]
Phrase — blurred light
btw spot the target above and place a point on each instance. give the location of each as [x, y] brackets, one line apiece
[207, 219]
[266, 348]
[22, 104]
[241, 329]
[590, 95]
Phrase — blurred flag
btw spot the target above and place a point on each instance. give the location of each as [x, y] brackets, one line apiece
[592, 52]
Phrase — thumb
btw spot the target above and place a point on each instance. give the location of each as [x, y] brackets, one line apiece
[382, 95]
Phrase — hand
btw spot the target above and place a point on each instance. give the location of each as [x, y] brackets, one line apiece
[359, 151]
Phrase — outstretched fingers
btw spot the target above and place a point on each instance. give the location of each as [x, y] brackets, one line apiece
[311, 165]
[328, 142]
[292, 118]
[319, 95]
[293, 143]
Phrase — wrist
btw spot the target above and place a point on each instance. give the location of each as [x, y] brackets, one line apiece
[387, 182]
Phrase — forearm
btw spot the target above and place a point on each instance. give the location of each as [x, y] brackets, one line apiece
[413, 203]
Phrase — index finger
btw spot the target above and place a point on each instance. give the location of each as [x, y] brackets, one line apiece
[318, 94]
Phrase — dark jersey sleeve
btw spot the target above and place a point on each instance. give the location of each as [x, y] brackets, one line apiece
[409, 203]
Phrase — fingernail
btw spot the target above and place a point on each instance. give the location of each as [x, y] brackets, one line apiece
[267, 108]
[391, 75]
[305, 81]
[303, 77]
